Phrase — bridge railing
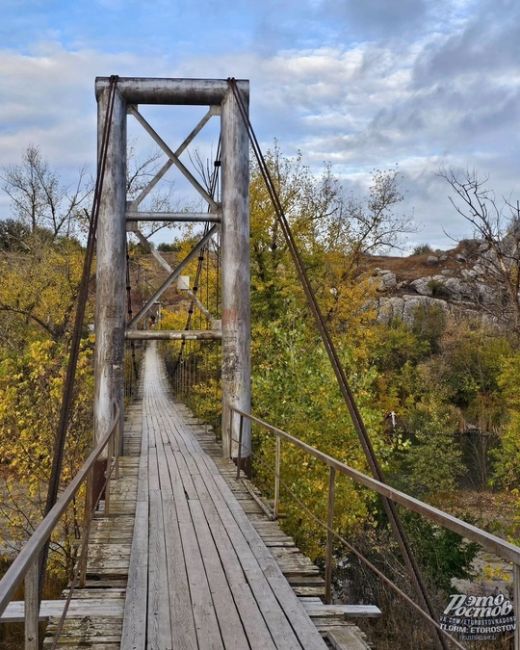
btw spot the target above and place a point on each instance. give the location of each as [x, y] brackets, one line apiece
[496, 545]
[26, 565]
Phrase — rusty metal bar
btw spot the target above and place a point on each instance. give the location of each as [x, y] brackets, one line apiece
[171, 155]
[166, 266]
[172, 277]
[144, 193]
[168, 91]
[362, 558]
[235, 272]
[89, 501]
[200, 125]
[189, 217]
[330, 537]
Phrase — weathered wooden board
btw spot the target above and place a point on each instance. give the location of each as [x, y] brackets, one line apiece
[95, 615]
[78, 608]
[206, 567]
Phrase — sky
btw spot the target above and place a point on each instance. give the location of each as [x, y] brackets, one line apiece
[360, 84]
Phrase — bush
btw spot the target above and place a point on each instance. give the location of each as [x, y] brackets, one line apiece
[422, 249]
[168, 248]
[429, 323]
[438, 289]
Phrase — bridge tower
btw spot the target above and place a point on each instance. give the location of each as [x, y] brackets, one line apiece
[230, 218]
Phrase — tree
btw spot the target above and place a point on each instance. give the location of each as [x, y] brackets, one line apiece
[507, 456]
[333, 231]
[496, 225]
[38, 290]
[31, 385]
[370, 224]
[38, 198]
[13, 236]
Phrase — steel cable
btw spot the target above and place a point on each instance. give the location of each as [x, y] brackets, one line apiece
[70, 378]
[204, 250]
[339, 371]
[362, 558]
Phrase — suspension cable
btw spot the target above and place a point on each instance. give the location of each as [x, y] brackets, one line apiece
[363, 559]
[70, 378]
[204, 250]
[335, 361]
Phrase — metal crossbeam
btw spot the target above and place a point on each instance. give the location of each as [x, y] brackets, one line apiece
[195, 217]
[173, 335]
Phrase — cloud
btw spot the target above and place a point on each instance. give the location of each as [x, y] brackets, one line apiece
[374, 19]
[430, 85]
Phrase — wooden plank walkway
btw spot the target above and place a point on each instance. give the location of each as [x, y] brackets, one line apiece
[89, 623]
[188, 555]
[200, 575]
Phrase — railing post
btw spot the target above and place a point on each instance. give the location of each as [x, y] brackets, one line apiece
[119, 447]
[277, 463]
[230, 431]
[32, 607]
[239, 455]
[516, 603]
[107, 491]
[330, 537]
[89, 505]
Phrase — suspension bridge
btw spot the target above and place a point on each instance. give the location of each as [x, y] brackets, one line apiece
[179, 550]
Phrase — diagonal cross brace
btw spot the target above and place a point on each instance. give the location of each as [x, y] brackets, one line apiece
[214, 110]
[160, 259]
[172, 277]
[173, 157]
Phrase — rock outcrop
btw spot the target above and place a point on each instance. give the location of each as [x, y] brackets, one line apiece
[457, 285]
[407, 307]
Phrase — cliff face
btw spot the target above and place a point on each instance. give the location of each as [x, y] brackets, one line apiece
[453, 281]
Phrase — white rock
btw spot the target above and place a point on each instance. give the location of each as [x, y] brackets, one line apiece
[405, 308]
[422, 286]
[388, 280]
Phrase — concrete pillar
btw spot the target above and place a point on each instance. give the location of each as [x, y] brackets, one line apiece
[111, 273]
[236, 317]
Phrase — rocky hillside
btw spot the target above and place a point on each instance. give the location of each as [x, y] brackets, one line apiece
[452, 281]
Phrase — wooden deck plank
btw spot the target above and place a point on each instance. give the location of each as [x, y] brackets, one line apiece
[181, 610]
[283, 632]
[208, 579]
[183, 631]
[256, 628]
[204, 615]
[301, 624]
[272, 612]
[133, 635]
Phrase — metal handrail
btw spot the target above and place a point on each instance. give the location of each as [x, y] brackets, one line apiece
[490, 542]
[499, 547]
[29, 554]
